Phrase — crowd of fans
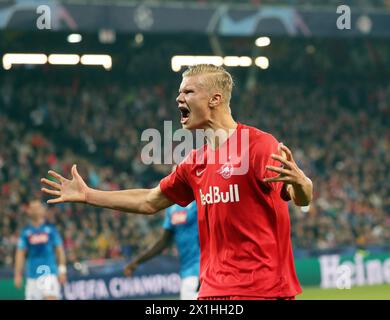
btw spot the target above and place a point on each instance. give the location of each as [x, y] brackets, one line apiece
[338, 132]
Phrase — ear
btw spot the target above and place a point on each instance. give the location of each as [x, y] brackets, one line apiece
[215, 100]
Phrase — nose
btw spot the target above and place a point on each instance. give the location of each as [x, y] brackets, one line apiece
[180, 99]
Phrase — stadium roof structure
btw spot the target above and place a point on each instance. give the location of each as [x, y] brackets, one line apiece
[220, 19]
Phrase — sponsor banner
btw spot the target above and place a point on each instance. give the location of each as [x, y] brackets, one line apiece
[326, 271]
[358, 270]
[157, 278]
[107, 287]
[226, 20]
[120, 287]
[344, 272]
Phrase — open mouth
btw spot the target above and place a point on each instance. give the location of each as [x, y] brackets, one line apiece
[185, 114]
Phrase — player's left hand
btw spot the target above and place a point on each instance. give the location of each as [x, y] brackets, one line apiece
[62, 278]
[289, 172]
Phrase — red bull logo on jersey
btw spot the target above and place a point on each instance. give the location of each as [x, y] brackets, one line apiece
[226, 170]
[215, 195]
[38, 238]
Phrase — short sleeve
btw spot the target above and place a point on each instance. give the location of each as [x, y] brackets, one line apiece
[167, 220]
[176, 187]
[22, 241]
[261, 157]
[57, 241]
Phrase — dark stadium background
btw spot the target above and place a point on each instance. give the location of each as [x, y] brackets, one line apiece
[326, 94]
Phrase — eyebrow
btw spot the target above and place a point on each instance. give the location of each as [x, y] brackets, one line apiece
[186, 89]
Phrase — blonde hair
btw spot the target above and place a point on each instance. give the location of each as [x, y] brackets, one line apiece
[220, 78]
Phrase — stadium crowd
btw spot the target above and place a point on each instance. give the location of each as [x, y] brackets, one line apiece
[339, 133]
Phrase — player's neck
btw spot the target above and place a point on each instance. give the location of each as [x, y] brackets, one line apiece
[37, 223]
[223, 123]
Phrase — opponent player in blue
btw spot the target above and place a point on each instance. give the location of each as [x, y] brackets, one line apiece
[39, 245]
[180, 224]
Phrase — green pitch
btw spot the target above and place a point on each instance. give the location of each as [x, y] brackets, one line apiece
[379, 292]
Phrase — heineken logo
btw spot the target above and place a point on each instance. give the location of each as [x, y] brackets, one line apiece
[358, 271]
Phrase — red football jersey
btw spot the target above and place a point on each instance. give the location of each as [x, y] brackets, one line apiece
[244, 223]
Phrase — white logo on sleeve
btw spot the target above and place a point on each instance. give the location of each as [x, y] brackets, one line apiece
[214, 195]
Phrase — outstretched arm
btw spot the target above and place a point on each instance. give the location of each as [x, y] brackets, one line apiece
[156, 249]
[142, 201]
[298, 186]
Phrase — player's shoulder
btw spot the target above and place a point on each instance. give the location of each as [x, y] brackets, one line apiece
[173, 208]
[198, 151]
[25, 229]
[191, 206]
[169, 210]
[259, 136]
[193, 156]
[177, 207]
[49, 227]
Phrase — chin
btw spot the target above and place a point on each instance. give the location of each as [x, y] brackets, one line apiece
[189, 126]
[193, 125]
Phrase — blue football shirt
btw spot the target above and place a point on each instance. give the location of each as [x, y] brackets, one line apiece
[40, 243]
[183, 223]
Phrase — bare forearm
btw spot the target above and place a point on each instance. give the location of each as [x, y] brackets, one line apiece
[124, 200]
[156, 249]
[302, 193]
[19, 262]
[152, 252]
[142, 201]
[61, 259]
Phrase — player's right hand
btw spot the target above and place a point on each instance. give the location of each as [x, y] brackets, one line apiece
[18, 279]
[129, 269]
[66, 190]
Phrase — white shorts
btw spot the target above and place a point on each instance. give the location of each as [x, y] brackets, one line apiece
[43, 287]
[189, 288]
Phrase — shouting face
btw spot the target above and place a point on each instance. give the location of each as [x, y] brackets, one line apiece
[193, 102]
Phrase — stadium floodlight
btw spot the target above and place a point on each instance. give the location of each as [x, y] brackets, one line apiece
[74, 38]
[139, 38]
[262, 62]
[177, 62]
[215, 60]
[262, 41]
[10, 59]
[107, 36]
[245, 61]
[231, 61]
[104, 60]
[68, 59]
